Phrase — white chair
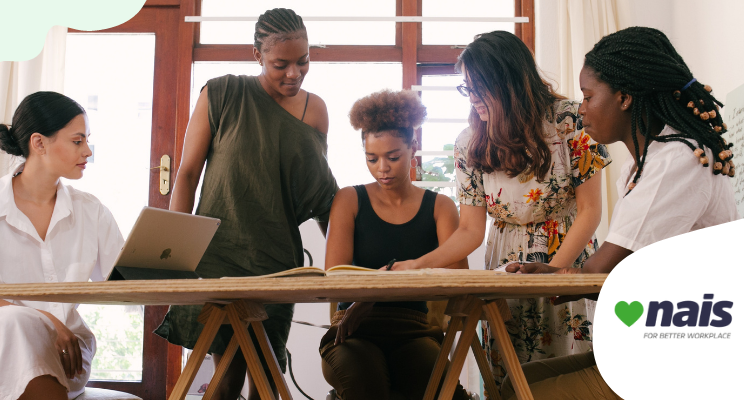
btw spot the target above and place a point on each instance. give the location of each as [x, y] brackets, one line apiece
[104, 394]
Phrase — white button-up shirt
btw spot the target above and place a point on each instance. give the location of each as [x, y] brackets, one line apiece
[674, 195]
[82, 242]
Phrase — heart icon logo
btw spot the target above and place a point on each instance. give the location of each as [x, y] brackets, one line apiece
[629, 313]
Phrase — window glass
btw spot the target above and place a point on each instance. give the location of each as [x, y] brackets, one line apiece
[462, 33]
[447, 112]
[319, 32]
[111, 76]
[448, 105]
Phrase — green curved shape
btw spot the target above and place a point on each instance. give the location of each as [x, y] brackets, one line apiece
[26, 22]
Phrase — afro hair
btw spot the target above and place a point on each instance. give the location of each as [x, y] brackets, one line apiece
[388, 110]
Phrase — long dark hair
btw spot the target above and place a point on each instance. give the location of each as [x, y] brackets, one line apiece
[501, 71]
[643, 63]
[41, 112]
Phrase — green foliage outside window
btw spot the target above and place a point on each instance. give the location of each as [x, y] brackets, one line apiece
[118, 331]
[440, 169]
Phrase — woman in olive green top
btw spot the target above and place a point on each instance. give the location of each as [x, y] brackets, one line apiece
[264, 142]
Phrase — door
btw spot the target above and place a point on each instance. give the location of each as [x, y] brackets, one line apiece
[124, 77]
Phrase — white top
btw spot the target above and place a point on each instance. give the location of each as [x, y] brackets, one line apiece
[675, 194]
[82, 242]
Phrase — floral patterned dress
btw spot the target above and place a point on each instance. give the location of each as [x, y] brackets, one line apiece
[530, 221]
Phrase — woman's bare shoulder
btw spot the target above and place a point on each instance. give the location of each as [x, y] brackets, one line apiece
[317, 113]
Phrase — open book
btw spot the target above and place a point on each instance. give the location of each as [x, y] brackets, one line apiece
[341, 270]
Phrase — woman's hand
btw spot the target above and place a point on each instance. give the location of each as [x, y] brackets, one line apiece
[403, 265]
[352, 319]
[68, 348]
[540, 268]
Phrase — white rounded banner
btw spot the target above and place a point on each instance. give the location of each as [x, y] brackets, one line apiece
[668, 318]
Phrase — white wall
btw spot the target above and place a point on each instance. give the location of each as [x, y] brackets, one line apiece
[709, 36]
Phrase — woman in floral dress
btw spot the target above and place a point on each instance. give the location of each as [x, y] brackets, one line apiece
[526, 162]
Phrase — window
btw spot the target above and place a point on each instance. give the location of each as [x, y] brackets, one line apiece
[462, 33]
[111, 76]
[339, 85]
[319, 32]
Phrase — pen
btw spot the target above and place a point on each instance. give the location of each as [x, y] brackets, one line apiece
[390, 264]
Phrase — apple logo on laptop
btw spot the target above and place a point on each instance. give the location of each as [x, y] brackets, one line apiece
[166, 254]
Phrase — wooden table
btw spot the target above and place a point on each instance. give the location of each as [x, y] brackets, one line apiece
[240, 300]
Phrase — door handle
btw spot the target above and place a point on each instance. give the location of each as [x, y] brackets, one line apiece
[164, 174]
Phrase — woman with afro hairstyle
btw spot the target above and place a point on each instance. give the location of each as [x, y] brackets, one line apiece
[639, 91]
[526, 162]
[385, 350]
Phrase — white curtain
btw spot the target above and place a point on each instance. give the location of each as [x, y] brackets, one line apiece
[18, 79]
[581, 24]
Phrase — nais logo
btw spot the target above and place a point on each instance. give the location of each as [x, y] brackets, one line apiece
[685, 314]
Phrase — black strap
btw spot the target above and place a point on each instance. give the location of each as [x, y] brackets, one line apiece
[307, 99]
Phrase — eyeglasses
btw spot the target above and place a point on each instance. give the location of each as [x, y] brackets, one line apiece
[466, 91]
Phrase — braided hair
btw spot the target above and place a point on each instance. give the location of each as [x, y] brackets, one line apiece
[278, 24]
[643, 63]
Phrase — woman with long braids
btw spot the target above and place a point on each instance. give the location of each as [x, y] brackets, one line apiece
[639, 91]
[526, 162]
[263, 139]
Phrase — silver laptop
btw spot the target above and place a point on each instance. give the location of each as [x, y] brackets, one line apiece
[164, 242]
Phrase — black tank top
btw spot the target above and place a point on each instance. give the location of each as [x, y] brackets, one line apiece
[376, 242]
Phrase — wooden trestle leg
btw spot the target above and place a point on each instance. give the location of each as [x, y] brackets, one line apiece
[473, 307]
[504, 344]
[442, 358]
[225, 361]
[485, 369]
[212, 325]
[236, 314]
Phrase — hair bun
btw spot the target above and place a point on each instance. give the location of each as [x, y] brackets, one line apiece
[8, 143]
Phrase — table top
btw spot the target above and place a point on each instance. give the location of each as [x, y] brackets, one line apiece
[390, 286]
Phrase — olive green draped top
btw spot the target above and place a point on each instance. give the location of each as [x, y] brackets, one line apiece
[266, 174]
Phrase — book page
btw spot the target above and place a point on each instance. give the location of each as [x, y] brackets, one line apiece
[351, 270]
[290, 273]
[341, 270]
[354, 270]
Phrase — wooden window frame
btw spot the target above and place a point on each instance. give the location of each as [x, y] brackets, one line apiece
[408, 50]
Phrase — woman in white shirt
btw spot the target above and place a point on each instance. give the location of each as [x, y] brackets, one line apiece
[639, 91]
[49, 233]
